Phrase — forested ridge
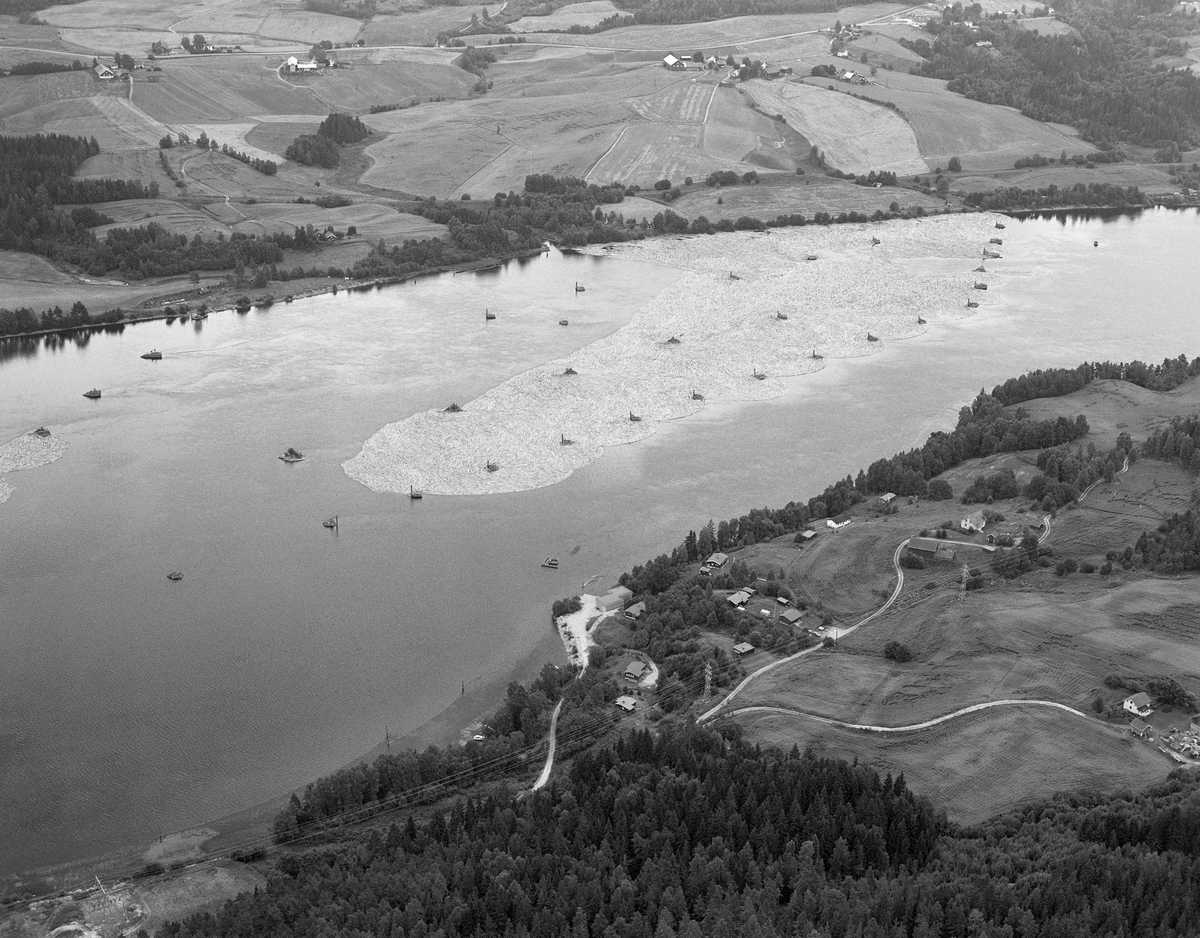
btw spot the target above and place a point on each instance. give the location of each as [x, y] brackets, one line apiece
[687, 832]
[1101, 79]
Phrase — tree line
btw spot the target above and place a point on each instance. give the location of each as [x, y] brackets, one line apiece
[686, 832]
[666, 12]
[1099, 194]
[1058, 382]
[1101, 78]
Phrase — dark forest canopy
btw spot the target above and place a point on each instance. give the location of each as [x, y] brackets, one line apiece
[667, 12]
[1101, 79]
[686, 833]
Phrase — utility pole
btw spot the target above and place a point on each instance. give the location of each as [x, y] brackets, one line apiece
[962, 589]
[707, 679]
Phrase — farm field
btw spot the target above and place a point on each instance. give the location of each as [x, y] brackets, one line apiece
[358, 88]
[883, 50]
[737, 34]
[588, 13]
[1045, 25]
[15, 265]
[984, 763]
[561, 135]
[854, 135]
[983, 136]
[421, 27]
[373, 221]
[808, 195]
[1149, 178]
[225, 88]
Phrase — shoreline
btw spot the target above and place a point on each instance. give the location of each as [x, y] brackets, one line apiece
[748, 310]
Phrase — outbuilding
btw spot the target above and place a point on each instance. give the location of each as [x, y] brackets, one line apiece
[931, 547]
[887, 498]
[739, 599]
[670, 60]
[634, 670]
[717, 561]
[1140, 728]
[791, 616]
[742, 649]
[636, 611]
[628, 704]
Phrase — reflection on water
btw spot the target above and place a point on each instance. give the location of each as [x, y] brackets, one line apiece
[130, 704]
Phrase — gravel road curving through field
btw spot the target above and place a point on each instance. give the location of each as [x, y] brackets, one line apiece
[913, 727]
[708, 715]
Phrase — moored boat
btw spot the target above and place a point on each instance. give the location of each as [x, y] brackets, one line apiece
[492, 466]
[980, 286]
[874, 241]
[453, 409]
[760, 375]
[673, 341]
[488, 316]
[920, 321]
[1000, 225]
[570, 371]
[415, 493]
[41, 431]
[551, 562]
[810, 257]
[972, 304]
[330, 522]
[996, 241]
[697, 396]
[634, 418]
[781, 316]
[872, 338]
[579, 287]
[564, 441]
[93, 394]
[816, 356]
[175, 575]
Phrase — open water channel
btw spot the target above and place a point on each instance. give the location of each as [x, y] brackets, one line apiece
[131, 706]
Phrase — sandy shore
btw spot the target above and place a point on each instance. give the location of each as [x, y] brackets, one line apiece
[728, 330]
[26, 452]
[576, 630]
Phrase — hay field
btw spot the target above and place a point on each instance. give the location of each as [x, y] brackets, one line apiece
[395, 82]
[145, 14]
[1044, 25]
[75, 103]
[883, 50]
[985, 763]
[646, 153]
[983, 136]
[233, 134]
[1152, 178]
[1113, 406]
[588, 13]
[15, 265]
[373, 221]
[173, 216]
[728, 34]
[682, 102]
[854, 135]
[419, 28]
[274, 136]
[561, 135]
[215, 88]
[728, 329]
[809, 195]
[849, 571]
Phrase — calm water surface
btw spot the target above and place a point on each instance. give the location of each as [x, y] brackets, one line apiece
[130, 705]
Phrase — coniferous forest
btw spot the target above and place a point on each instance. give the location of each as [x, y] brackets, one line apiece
[687, 832]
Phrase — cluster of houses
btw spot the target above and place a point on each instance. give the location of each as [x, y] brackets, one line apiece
[1186, 743]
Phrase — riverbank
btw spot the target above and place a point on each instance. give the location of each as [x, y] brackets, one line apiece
[749, 310]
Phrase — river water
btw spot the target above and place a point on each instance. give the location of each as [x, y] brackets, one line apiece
[131, 706]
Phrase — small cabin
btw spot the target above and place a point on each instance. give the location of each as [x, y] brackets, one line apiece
[635, 670]
[636, 611]
[742, 649]
[628, 704]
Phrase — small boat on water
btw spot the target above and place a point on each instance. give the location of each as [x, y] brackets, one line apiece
[492, 466]
[415, 493]
[697, 396]
[579, 287]
[563, 441]
[634, 418]
[980, 270]
[872, 338]
[972, 304]
[570, 371]
[991, 254]
[760, 375]
[920, 321]
[564, 322]
[551, 563]
[980, 286]
[816, 356]
[1095, 244]
[41, 431]
[153, 355]
[1000, 225]
[672, 341]
[996, 241]
[453, 409]
[175, 575]
[93, 394]
[874, 241]
[733, 276]
[781, 315]
[488, 316]
[330, 522]
[292, 455]
[197, 316]
[811, 257]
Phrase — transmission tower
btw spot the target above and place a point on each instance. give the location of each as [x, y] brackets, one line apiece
[962, 587]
